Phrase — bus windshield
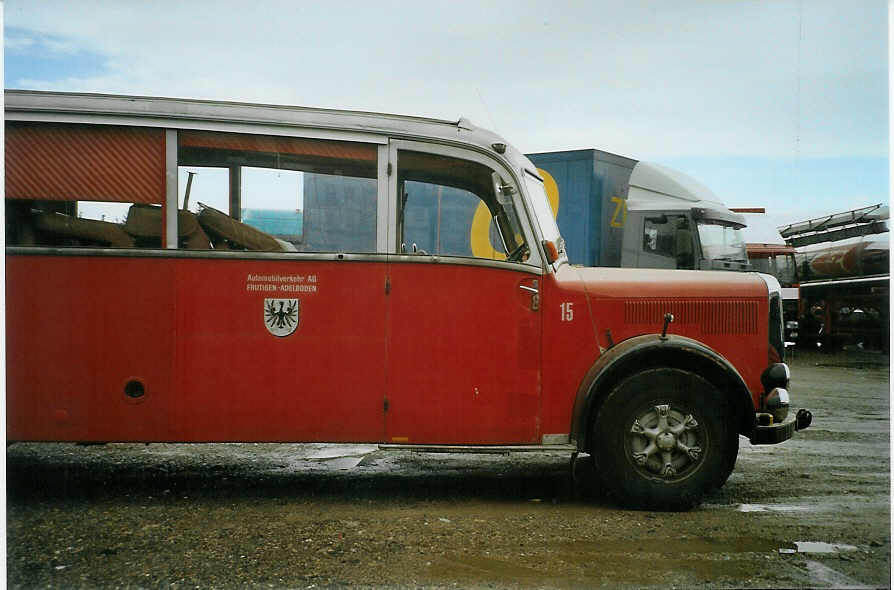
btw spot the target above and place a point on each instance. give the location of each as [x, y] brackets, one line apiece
[543, 212]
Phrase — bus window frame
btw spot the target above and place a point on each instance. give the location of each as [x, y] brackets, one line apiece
[375, 141]
[528, 227]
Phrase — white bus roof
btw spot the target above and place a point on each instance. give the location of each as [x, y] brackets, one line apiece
[182, 113]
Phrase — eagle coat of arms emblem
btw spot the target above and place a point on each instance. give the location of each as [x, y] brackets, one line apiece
[281, 316]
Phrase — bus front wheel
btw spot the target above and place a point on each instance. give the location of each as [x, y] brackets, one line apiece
[661, 438]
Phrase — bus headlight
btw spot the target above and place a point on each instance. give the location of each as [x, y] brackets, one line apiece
[777, 404]
[776, 375]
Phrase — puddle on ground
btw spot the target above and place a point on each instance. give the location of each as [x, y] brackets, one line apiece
[821, 547]
[337, 457]
[656, 562]
[342, 463]
[818, 547]
[774, 508]
[835, 504]
[672, 545]
[328, 452]
[634, 562]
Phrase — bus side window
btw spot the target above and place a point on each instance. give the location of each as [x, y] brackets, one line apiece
[104, 186]
[450, 207]
[436, 219]
[76, 185]
[265, 193]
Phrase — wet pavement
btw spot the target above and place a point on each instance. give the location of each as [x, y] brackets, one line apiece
[812, 512]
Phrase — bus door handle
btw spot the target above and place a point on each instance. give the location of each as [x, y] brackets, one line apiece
[535, 294]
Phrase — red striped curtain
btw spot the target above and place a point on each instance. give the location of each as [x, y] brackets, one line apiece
[68, 162]
[341, 150]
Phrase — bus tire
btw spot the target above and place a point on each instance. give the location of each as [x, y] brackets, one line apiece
[661, 439]
[732, 452]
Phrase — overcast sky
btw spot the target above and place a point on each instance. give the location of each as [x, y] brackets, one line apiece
[777, 104]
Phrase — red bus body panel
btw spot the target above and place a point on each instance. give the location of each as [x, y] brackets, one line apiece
[192, 330]
[611, 305]
[452, 353]
[725, 311]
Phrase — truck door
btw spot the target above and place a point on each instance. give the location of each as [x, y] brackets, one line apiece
[463, 346]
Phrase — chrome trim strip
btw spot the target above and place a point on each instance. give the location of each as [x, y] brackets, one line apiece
[42, 101]
[287, 256]
[171, 189]
[391, 239]
[463, 261]
[202, 254]
[383, 212]
[191, 124]
[846, 281]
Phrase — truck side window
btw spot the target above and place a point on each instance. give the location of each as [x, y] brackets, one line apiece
[266, 193]
[443, 202]
[670, 236]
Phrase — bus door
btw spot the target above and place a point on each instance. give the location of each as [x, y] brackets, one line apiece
[463, 321]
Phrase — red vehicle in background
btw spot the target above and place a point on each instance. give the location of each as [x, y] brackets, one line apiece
[846, 294]
[843, 263]
[769, 253]
[260, 305]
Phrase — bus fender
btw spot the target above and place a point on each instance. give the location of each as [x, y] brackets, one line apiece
[651, 351]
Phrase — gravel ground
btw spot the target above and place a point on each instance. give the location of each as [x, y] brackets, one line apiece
[812, 512]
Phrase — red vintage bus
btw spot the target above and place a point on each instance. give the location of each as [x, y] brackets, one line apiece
[185, 271]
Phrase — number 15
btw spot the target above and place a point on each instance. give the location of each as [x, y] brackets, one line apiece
[567, 311]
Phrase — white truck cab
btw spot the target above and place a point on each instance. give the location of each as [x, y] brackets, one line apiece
[673, 221]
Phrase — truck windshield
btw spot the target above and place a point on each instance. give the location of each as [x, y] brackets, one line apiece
[543, 212]
[781, 266]
[721, 242]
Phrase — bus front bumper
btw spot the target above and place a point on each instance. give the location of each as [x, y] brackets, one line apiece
[772, 434]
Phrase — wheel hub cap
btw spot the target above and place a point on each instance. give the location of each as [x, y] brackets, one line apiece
[666, 442]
